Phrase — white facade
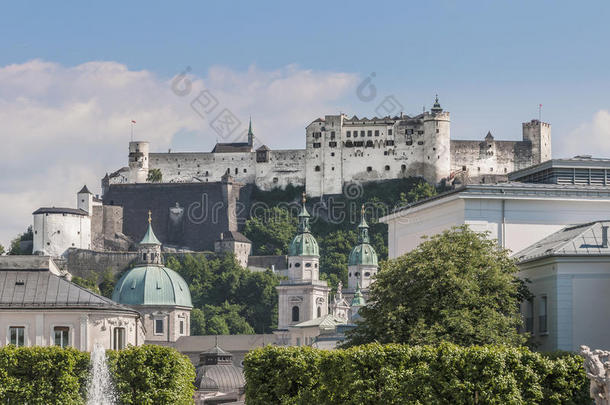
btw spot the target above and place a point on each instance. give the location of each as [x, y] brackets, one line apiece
[56, 230]
[515, 214]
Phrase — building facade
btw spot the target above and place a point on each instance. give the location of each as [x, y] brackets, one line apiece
[341, 150]
[39, 306]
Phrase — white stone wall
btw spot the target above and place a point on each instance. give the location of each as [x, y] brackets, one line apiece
[241, 250]
[362, 275]
[516, 222]
[86, 328]
[577, 301]
[307, 297]
[56, 233]
[171, 317]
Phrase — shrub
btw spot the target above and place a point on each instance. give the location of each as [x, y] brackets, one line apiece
[42, 375]
[152, 374]
[400, 374]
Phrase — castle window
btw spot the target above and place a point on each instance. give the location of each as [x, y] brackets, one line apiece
[369, 169]
[317, 168]
[376, 132]
[387, 167]
[437, 130]
[332, 168]
[369, 144]
[409, 142]
[464, 168]
[420, 142]
[385, 153]
[332, 153]
[178, 172]
[349, 134]
[350, 274]
[478, 168]
[275, 179]
[317, 144]
[332, 144]
[295, 314]
[389, 142]
[207, 173]
[362, 134]
[505, 170]
[236, 170]
[390, 131]
[245, 170]
[409, 132]
[178, 165]
[332, 134]
[403, 167]
[369, 133]
[420, 132]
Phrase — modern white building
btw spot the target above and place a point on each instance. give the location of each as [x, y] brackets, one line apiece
[569, 272]
[516, 214]
[39, 306]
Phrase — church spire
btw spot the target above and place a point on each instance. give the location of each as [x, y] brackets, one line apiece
[304, 217]
[363, 228]
[149, 237]
[250, 133]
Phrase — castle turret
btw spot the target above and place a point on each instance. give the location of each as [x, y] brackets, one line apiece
[84, 200]
[138, 161]
[437, 144]
[539, 134]
[362, 264]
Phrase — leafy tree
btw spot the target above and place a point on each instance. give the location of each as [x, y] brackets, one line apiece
[154, 176]
[16, 244]
[271, 232]
[227, 297]
[87, 283]
[2, 251]
[456, 287]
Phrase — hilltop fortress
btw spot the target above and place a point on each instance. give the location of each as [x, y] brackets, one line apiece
[341, 150]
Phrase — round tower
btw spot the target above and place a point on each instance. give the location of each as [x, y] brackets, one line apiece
[437, 144]
[362, 264]
[138, 161]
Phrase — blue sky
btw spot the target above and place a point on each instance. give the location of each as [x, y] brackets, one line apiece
[73, 74]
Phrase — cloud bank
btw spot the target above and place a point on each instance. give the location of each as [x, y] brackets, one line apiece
[62, 127]
[592, 138]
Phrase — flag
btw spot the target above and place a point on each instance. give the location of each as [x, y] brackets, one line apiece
[133, 122]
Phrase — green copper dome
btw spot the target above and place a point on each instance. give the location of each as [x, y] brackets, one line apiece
[152, 285]
[363, 252]
[304, 243]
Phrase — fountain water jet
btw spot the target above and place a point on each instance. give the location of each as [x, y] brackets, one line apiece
[100, 389]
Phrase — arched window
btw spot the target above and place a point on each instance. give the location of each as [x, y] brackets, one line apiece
[319, 312]
[317, 168]
[295, 314]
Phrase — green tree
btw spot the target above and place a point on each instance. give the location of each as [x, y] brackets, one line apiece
[456, 287]
[272, 231]
[17, 245]
[87, 283]
[154, 176]
[2, 251]
[197, 322]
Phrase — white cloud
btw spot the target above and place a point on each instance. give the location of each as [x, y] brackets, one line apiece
[591, 138]
[63, 127]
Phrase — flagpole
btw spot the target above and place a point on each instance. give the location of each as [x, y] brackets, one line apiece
[131, 131]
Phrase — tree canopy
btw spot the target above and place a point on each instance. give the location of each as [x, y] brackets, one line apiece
[456, 287]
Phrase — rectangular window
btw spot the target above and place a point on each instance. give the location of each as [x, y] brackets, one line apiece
[61, 336]
[409, 132]
[182, 327]
[332, 134]
[529, 316]
[332, 144]
[542, 318]
[349, 134]
[389, 142]
[317, 144]
[118, 341]
[376, 132]
[390, 131]
[362, 134]
[158, 326]
[16, 335]
[369, 133]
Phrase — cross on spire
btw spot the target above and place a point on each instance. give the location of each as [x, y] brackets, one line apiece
[149, 216]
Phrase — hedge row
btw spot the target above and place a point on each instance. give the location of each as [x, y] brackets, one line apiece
[400, 374]
[51, 375]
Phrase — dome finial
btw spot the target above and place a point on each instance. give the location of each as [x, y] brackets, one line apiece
[303, 198]
[149, 216]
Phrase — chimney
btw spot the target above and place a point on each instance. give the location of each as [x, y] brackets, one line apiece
[604, 236]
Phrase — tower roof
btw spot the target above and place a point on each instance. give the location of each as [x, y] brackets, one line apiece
[363, 252]
[149, 237]
[84, 190]
[358, 300]
[304, 243]
[436, 108]
[152, 285]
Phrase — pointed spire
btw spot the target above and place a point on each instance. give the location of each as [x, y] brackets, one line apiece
[303, 216]
[363, 228]
[250, 133]
[358, 300]
[149, 237]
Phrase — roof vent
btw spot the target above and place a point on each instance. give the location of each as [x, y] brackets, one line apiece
[20, 282]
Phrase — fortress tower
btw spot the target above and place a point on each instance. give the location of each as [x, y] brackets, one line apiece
[539, 134]
[437, 144]
[138, 161]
